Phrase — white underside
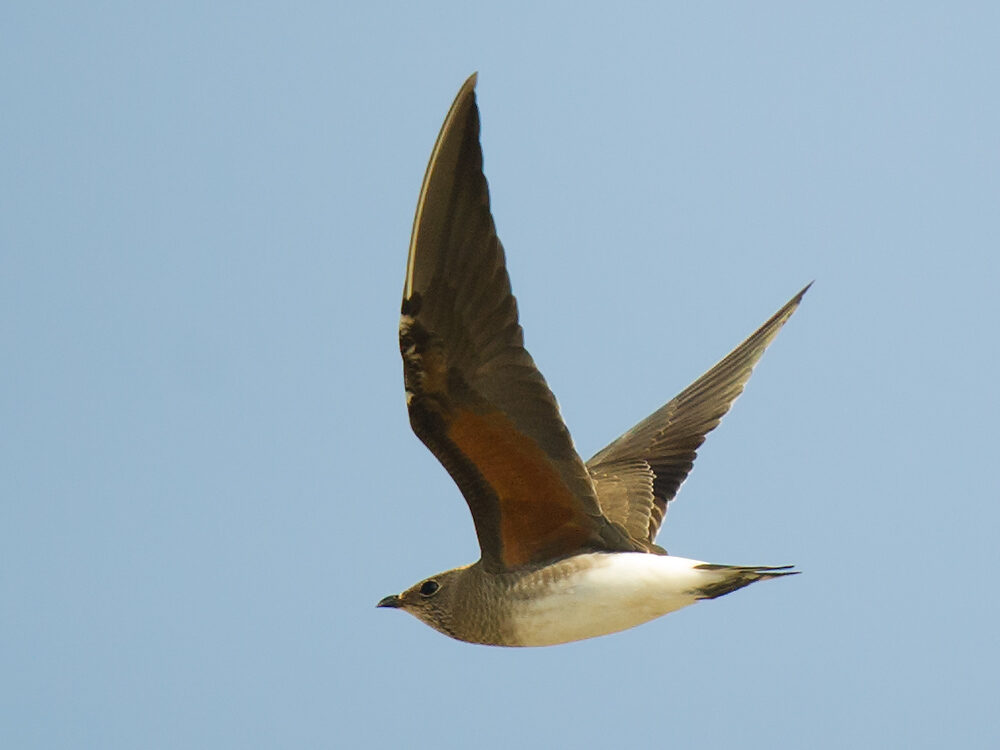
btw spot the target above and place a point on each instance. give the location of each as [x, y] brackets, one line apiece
[610, 592]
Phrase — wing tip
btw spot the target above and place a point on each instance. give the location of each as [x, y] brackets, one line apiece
[781, 317]
[468, 90]
[794, 301]
[464, 100]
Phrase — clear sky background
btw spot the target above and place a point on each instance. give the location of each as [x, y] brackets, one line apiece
[207, 478]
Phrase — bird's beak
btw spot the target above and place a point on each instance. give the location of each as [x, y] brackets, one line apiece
[390, 601]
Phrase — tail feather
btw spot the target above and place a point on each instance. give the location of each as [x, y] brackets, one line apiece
[733, 577]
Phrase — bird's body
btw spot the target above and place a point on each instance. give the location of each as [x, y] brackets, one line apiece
[567, 547]
[597, 593]
[601, 592]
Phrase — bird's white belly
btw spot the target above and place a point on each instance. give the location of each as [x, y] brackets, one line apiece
[603, 593]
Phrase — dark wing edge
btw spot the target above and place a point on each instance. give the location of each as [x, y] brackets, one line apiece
[638, 474]
[474, 395]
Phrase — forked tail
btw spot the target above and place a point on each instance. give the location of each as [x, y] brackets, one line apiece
[728, 578]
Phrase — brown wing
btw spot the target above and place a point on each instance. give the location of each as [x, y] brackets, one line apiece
[474, 395]
[640, 472]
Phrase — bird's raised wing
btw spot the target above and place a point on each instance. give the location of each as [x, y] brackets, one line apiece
[474, 395]
[640, 472]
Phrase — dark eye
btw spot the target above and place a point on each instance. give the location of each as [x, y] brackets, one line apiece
[429, 588]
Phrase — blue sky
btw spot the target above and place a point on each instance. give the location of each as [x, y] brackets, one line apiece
[207, 479]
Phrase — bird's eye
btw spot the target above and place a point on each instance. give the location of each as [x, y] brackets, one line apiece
[429, 588]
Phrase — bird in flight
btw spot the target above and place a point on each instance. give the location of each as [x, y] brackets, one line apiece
[567, 547]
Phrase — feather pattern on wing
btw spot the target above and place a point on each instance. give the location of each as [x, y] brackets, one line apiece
[474, 395]
[638, 474]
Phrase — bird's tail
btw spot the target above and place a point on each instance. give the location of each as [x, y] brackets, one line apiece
[728, 578]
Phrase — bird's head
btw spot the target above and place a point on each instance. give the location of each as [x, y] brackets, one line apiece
[432, 600]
